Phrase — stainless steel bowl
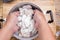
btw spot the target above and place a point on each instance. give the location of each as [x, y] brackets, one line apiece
[16, 8]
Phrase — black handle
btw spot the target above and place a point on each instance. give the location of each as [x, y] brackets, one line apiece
[1, 20]
[51, 16]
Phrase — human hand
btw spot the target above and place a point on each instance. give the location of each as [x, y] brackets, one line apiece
[39, 19]
[11, 21]
[43, 28]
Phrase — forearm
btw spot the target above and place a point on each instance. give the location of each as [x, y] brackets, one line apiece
[45, 32]
[6, 33]
[10, 26]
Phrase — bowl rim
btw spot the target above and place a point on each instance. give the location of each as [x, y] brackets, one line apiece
[18, 6]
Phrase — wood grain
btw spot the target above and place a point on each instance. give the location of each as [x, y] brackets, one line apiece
[44, 5]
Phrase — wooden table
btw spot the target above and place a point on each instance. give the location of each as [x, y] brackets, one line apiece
[44, 5]
[0, 8]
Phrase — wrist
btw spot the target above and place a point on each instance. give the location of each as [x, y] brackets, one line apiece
[42, 25]
[9, 28]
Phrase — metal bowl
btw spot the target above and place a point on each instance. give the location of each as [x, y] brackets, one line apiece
[16, 8]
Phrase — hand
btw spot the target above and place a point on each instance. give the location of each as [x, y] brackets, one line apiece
[43, 28]
[12, 21]
[39, 18]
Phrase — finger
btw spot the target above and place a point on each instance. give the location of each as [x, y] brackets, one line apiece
[14, 13]
[16, 28]
[36, 25]
[39, 15]
[34, 17]
[17, 13]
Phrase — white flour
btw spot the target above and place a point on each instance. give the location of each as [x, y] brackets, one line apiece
[26, 23]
